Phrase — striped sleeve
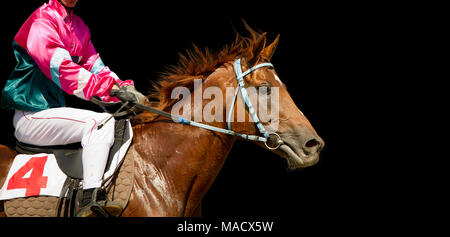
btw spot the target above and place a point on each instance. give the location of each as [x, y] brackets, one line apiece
[93, 62]
[48, 51]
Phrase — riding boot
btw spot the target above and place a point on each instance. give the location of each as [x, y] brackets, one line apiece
[94, 203]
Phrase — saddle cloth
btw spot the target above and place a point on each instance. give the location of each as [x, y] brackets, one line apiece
[44, 174]
[119, 190]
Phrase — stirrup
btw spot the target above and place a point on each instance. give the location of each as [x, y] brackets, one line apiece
[99, 208]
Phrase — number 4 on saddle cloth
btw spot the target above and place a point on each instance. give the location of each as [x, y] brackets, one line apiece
[57, 170]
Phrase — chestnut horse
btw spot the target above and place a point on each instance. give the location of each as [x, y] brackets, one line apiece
[175, 164]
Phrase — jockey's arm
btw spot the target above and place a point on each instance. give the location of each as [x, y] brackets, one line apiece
[123, 90]
[84, 80]
[92, 62]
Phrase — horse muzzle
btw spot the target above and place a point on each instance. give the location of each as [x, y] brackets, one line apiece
[300, 148]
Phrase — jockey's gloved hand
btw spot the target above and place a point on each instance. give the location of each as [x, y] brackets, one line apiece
[140, 97]
[128, 94]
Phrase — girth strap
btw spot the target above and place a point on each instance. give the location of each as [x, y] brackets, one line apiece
[67, 198]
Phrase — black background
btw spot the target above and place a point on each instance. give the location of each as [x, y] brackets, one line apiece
[337, 61]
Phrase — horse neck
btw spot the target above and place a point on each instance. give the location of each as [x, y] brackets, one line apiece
[178, 163]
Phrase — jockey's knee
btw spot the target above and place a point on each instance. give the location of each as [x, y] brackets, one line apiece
[101, 130]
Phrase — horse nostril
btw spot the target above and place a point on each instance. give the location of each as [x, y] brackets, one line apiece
[312, 143]
[312, 146]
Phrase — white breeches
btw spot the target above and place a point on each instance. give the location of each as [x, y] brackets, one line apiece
[60, 126]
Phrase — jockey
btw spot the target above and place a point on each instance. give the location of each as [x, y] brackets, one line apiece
[54, 52]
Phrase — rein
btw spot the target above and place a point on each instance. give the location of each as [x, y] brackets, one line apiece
[267, 136]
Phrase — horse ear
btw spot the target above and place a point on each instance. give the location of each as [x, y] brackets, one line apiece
[268, 52]
[257, 48]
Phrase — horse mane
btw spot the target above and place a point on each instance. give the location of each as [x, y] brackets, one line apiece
[195, 63]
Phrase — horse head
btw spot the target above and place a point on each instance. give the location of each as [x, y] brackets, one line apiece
[300, 143]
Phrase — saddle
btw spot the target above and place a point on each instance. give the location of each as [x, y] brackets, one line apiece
[69, 156]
